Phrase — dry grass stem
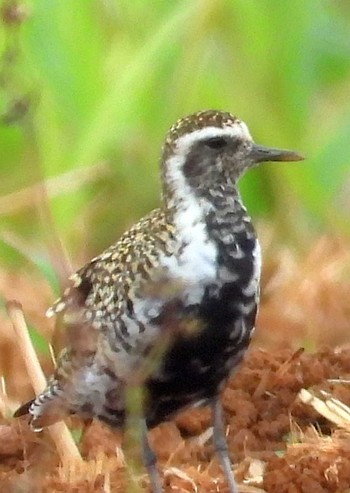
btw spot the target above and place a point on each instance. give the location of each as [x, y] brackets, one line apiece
[329, 407]
[179, 473]
[67, 182]
[31, 361]
[3, 406]
[59, 432]
[255, 473]
[58, 255]
[89, 470]
[3, 397]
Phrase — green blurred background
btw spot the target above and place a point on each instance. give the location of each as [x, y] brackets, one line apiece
[88, 89]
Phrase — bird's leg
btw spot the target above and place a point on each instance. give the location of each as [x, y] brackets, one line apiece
[150, 462]
[220, 444]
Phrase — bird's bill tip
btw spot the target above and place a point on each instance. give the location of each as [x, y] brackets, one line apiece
[261, 153]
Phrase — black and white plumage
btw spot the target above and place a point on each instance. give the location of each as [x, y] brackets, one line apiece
[193, 263]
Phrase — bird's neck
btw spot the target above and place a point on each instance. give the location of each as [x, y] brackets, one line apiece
[218, 208]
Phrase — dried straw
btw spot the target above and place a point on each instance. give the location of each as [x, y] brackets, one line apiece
[65, 445]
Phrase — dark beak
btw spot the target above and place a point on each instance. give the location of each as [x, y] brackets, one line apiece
[260, 154]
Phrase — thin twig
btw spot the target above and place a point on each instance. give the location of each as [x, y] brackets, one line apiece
[59, 432]
[329, 407]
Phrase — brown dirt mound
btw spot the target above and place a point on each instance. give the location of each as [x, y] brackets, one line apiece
[278, 444]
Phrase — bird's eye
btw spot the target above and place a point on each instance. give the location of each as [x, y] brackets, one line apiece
[216, 143]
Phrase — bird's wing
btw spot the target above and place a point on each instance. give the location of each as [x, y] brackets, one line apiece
[123, 289]
[113, 312]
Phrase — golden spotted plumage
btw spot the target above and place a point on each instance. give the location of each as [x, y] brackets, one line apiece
[122, 266]
[187, 274]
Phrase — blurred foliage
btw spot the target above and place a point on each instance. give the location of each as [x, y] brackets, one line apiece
[39, 342]
[88, 89]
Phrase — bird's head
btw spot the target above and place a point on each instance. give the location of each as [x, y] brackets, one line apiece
[211, 147]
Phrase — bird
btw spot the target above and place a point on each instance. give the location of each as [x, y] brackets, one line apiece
[173, 300]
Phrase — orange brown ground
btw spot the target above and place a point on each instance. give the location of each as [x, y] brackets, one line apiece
[270, 434]
[278, 444]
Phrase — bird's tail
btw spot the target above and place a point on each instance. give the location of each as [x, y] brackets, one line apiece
[24, 409]
[45, 409]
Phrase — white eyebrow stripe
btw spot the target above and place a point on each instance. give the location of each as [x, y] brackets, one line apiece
[239, 129]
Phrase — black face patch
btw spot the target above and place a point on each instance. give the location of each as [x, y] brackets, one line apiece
[202, 159]
[196, 162]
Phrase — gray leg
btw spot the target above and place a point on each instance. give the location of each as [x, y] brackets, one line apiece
[220, 444]
[150, 462]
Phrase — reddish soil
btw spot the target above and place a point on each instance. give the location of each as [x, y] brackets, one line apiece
[277, 443]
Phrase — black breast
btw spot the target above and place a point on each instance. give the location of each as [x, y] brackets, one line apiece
[195, 366]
